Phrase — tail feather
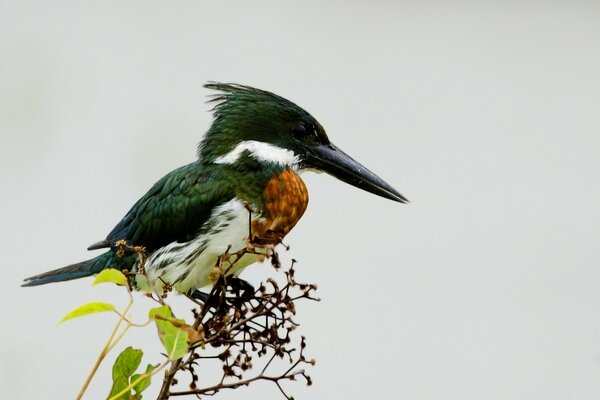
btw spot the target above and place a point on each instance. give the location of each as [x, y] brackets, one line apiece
[74, 271]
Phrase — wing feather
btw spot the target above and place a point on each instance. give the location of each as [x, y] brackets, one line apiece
[174, 209]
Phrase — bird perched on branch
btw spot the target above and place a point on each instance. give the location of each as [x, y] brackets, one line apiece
[243, 188]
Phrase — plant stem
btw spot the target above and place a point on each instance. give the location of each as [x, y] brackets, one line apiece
[166, 386]
[104, 351]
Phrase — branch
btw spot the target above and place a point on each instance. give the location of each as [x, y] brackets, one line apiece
[244, 326]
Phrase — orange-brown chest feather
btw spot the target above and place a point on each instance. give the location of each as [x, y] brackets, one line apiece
[284, 201]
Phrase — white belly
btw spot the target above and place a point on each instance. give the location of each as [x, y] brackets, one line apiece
[187, 266]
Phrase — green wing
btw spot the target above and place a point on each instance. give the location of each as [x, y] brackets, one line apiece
[173, 210]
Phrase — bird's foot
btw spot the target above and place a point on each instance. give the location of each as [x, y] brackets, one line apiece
[242, 288]
[242, 292]
[199, 295]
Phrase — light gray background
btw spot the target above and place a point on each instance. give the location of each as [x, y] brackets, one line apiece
[484, 115]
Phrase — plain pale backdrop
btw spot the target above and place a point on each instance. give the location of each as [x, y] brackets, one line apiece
[484, 114]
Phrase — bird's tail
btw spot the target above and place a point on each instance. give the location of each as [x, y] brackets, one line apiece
[74, 271]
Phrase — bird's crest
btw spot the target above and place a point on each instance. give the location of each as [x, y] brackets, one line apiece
[236, 95]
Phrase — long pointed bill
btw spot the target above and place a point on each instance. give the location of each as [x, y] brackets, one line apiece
[334, 161]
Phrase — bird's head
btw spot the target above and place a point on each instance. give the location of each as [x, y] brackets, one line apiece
[271, 129]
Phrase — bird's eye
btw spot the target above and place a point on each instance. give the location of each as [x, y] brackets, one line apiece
[299, 131]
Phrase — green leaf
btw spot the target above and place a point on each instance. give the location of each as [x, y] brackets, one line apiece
[119, 384]
[89, 308]
[144, 383]
[125, 365]
[111, 275]
[173, 338]
[127, 362]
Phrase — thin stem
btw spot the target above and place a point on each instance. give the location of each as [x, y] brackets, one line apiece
[109, 344]
[119, 337]
[166, 386]
[237, 384]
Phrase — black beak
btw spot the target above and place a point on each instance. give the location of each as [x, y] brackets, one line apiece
[330, 159]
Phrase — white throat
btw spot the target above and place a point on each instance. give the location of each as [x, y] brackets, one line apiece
[261, 151]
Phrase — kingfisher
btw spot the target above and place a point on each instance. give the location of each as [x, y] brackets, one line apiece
[244, 187]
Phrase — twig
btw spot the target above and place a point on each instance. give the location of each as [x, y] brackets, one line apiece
[107, 347]
[245, 326]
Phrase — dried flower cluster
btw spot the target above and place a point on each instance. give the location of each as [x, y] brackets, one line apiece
[244, 330]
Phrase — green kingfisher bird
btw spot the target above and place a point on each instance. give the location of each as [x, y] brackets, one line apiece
[244, 183]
